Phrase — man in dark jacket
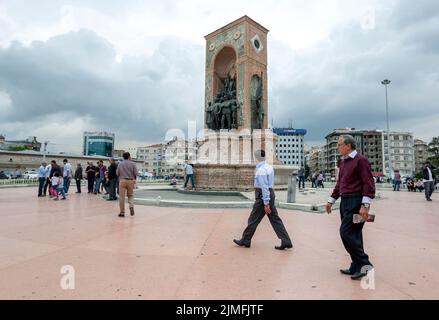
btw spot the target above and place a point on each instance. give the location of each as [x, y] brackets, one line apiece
[429, 180]
[112, 177]
[91, 173]
[55, 168]
[78, 177]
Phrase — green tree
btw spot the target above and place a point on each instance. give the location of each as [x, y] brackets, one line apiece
[17, 148]
[433, 152]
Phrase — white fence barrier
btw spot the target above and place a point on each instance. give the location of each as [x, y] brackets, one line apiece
[13, 182]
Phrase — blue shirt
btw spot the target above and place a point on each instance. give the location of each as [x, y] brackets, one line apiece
[264, 179]
[67, 171]
[42, 171]
[189, 169]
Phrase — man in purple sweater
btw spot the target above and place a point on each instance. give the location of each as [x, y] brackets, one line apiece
[356, 187]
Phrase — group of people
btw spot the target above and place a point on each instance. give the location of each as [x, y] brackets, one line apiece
[100, 178]
[116, 179]
[427, 183]
[317, 179]
[54, 179]
[415, 186]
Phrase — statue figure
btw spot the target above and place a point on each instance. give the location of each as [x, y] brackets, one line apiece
[226, 112]
[209, 116]
[257, 104]
[216, 113]
[259, 109]
[235, 107]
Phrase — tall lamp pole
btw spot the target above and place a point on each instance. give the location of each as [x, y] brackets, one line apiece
[386, 82]
[45, 150]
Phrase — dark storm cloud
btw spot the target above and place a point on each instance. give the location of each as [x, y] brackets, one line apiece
[336, 84]
[77, 74]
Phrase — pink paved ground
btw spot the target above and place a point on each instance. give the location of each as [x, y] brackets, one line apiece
[166, 253]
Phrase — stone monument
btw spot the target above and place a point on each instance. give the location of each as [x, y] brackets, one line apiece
[236, 109]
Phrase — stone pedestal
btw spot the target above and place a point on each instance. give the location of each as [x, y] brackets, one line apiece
[226, 160]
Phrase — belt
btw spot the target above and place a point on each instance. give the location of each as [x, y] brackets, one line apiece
[260, 190]
[126, 179]
[351, 195]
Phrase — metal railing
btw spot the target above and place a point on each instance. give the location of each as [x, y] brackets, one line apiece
[24, 182]
[13, 182]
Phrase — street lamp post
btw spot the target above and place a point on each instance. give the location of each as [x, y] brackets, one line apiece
[386, 82]
[45, 150]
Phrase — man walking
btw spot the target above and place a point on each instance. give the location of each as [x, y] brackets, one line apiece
[264, 205]
[396, 180]
[91, 173]
[78, 177]
[42, 171]
[127, 172]
[112, 177]
[189, 175]
[67, 175]
[429, 181]
[48, 183]
[301, 178]
[100, 176]
[356, 187]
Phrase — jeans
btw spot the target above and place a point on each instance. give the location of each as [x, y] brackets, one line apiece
[302, 182]
[429, 187]
[396, 185]
[189, 176]
[98, 182]
[59, 190]
[67, 184]
[41, 182]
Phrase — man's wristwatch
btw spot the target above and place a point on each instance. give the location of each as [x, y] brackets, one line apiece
[366, 205]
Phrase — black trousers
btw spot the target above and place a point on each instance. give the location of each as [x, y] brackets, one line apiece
[78, 185]
[112, 189]
[47, 184]
[352, 233]
[258, 213]
[41, 182]
[91, 182]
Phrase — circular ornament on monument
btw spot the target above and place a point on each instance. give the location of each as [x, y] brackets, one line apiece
[257, 44]
[212, 46]
[237, 35]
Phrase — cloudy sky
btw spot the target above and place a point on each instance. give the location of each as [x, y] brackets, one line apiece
[136, 68]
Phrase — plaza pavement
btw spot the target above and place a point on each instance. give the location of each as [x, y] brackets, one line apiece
[170, 253]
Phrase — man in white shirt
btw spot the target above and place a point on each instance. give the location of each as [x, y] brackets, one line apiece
[189, 170]
[67, 175]
[429, 179]
[264, 206]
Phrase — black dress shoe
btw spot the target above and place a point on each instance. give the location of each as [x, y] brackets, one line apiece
[358, 275]
[346, 272]
[241, 243]
[283, 246]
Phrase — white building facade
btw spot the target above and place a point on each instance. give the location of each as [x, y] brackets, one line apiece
[290, 146]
